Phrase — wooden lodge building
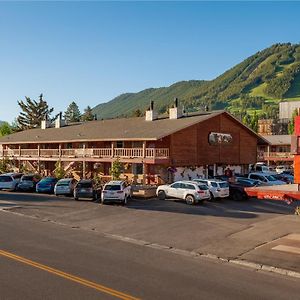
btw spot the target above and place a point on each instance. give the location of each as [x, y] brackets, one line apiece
[153, 149]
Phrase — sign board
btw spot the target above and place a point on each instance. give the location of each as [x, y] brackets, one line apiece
[215, 138]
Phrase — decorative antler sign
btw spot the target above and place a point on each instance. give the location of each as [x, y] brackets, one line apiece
[215, 138]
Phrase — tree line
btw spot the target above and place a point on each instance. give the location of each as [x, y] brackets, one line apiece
[34, 111]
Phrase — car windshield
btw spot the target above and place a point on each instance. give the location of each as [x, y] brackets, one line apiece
[203, 187]
[27, 178]
[63, 183]
[5, 179]
[271, 178]
[48, 180]
[17, 176]
[223, 185]
[112, 187]
[84, 185]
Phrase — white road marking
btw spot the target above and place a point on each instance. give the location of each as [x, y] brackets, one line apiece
[289, 249]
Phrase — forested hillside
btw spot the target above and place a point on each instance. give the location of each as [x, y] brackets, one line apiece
[254, 86]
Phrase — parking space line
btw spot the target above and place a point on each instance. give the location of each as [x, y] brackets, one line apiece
[289, 249]
[68, 276]
[293, 236]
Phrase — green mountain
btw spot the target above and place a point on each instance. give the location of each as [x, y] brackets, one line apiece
[255, 85]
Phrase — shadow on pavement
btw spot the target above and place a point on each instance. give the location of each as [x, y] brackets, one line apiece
[219, 208]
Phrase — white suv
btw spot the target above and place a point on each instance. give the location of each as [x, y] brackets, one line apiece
[116, 191]
[217, 188]
[9, 181]
[191, 192]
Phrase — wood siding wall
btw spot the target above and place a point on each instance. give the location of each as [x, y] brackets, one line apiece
[190, 146]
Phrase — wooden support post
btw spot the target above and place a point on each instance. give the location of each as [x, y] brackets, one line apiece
[83, 169]
[144, 149]
[59, 151]
[145, 173]
[112, 149]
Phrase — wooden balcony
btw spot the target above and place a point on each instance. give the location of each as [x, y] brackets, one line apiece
[112, 153]
[276, 156]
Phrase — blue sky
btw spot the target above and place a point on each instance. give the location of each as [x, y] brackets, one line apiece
[90, 52]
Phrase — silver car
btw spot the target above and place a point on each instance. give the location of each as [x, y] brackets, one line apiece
[217, 188]
[10, 181]
[65, 186]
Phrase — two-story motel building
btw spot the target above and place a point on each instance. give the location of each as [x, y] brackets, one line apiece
[153, 149]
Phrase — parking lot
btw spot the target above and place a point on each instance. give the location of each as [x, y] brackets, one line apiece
[225, 228]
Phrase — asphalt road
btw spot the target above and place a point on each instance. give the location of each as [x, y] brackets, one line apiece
[34, 253]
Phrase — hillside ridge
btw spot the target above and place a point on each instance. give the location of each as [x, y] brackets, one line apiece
[255, 85]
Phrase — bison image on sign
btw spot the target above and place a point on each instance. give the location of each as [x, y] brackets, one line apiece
[215, 138]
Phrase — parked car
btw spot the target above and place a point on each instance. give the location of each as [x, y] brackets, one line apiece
[237, 188]
[217, 188]
[116, 191]
[65, 186]
[86, 189]
[190, 191]
[261, 167]
[10, 181]
[248, 181]
[280, 169]
[288, 179]
[28, 182]
[46, 185]
[265, 178]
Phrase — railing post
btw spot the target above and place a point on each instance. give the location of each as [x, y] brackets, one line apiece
[144, 149]
[19, 150]
[112, 149]
[268, 155]
[39, 150]
[83, 150]
[59, 150]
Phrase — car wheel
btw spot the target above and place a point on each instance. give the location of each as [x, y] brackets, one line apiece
[238, 196]
[161, 195]
[212, 197]
[190, 200]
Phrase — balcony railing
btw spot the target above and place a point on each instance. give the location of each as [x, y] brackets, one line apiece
[277, 155]
[150, 153]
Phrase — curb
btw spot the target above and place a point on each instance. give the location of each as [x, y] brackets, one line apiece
[193, 254]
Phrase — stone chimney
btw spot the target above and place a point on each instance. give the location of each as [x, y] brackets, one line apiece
[59, 122]
[175, 112]
[45, 123]
[151, 114]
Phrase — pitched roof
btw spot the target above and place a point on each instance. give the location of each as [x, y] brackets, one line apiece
[111, 130]
[284, 139]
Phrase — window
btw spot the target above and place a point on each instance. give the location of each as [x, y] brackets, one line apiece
[214, 184]
[5, 179]
[119, 144]
[203, 187]
[112, 187]
[189, 186]
[176, 185]
[223, 184]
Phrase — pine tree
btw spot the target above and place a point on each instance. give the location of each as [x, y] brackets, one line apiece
[33, 112]
[72, 114]
[291, 126]
[87, 115]
[5, 129]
